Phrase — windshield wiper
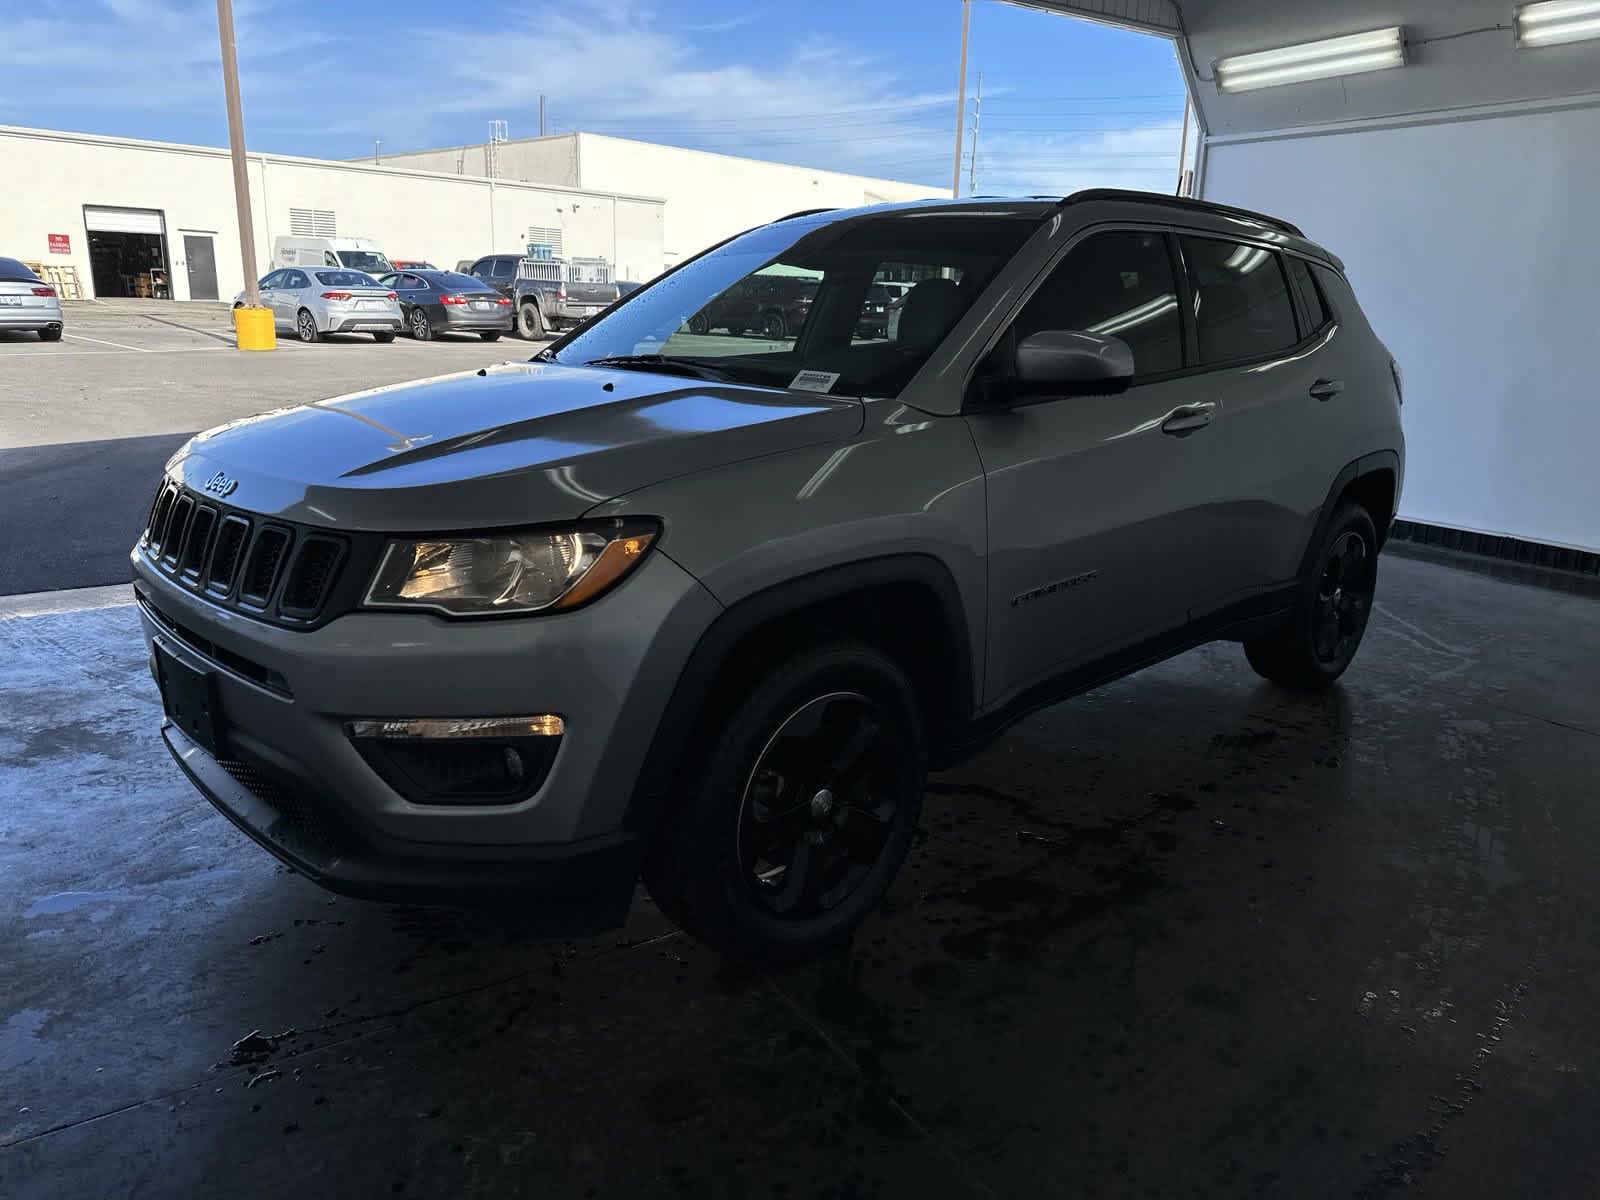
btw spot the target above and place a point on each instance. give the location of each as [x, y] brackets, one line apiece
[660, 362]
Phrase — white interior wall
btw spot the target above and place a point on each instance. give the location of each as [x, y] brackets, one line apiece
[1468, 243]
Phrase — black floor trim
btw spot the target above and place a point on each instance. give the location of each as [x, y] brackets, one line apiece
[1538, 554]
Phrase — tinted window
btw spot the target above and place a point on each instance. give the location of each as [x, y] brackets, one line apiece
[294, 279]
[453, 279]
[1242, 305]
[504, 268]
[1331, 284]
[12, 271]
[1119, 284]
[345, 279]
[1316, 312]
[273, 280]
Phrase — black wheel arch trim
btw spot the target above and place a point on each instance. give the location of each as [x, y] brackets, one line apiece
[1367, 464]
[665, 756]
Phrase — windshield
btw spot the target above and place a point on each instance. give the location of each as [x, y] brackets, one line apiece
[366, 260]
[791, 297]
[345, 279]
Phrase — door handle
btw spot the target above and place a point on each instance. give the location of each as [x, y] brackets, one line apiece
[1327, 389]
[1188, 418]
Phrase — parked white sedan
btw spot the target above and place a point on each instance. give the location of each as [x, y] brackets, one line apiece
[28, 302]
[313, 302]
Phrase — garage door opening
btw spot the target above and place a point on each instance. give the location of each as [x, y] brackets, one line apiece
[128, 253]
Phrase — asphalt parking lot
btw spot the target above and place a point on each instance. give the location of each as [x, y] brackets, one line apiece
[86, 423]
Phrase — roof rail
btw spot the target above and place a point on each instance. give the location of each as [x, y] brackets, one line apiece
[804, 212]
[1185, 202]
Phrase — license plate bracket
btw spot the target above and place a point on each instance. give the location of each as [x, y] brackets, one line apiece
[11, 301]
[190, 699]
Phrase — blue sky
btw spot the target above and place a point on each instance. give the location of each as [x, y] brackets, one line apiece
[855, 85]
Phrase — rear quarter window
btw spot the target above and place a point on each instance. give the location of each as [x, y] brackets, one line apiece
[1243, 309]
[1313, 307]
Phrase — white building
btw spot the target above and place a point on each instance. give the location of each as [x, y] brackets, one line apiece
[153, 218]
[708, 196]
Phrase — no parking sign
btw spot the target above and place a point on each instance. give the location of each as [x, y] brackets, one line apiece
[60, 243]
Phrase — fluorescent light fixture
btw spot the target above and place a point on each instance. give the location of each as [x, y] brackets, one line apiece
[1553, 22]
[1348, 55]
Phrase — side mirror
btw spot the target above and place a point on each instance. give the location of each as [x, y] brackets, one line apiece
[1062, 362]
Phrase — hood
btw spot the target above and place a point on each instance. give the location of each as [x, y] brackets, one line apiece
[511, 444]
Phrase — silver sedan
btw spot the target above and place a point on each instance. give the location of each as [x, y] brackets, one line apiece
[28, 302]
[313, 302]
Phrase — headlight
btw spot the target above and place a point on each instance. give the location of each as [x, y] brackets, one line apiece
[499, 573]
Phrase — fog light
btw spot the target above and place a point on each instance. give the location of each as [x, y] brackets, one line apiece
[468, 760]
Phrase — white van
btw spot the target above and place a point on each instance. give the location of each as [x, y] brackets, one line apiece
[354, 253]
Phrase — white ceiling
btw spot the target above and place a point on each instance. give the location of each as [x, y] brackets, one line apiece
[1444, 71]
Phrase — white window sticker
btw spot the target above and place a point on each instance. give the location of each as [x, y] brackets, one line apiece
[814, 381]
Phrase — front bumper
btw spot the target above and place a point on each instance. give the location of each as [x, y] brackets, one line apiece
[608, 669]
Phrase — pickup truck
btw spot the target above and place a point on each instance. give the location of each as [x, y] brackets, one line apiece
[549, 293]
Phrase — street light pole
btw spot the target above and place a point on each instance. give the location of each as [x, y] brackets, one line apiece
[961, 102]
[241, 176]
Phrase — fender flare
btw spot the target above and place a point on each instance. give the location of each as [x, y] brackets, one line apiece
[1367, 464]
[671, 739]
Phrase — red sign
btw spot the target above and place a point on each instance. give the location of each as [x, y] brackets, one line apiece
[60, 243]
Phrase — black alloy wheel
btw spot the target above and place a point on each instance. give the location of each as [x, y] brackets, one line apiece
[1344, 596]
[818, 807]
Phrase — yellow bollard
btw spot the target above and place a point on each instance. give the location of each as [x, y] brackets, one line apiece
[253, 329]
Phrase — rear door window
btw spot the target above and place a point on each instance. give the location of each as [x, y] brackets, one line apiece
[1118, 284]
[1241, 298]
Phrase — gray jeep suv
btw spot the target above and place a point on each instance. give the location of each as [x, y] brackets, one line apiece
[708, 608]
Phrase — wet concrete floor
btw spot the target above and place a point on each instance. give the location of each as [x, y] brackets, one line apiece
[1186, 936]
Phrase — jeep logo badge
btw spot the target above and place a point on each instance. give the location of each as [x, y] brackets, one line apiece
[220, 485]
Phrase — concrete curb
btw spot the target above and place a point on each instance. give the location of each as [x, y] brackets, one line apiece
[38, 604]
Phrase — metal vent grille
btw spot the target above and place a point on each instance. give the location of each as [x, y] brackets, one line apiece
[311, 575]
[201, 527]
[261, 568]
[547, 238]
[313, 222]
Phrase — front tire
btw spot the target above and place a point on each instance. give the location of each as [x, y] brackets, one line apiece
[530, 321]
[1331, 608]
[305, 327]
[795, 820]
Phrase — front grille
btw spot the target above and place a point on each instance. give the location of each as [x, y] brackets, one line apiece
[261, 568]
[278, 571]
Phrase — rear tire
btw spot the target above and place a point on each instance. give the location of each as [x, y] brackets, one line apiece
[1331, 610]
[530, 321]
[383, 339]
[53, 334]
[419, 326]
[489, 336]
[774, 326]
[794, 821]
[305, 327]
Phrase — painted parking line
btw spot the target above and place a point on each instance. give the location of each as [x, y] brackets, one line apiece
[6, 357]
[78, 337]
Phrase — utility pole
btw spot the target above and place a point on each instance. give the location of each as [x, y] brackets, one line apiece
[241, 173]
[961, 101]
[1183, 148]
[541, 114]
[977, 123]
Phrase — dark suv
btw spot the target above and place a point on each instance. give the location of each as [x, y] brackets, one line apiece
[708, 609]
